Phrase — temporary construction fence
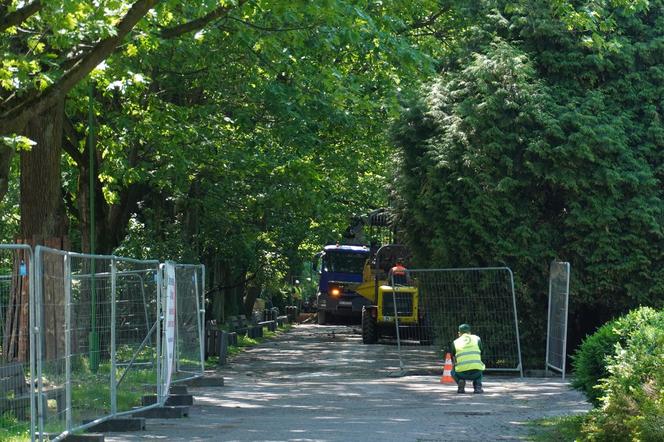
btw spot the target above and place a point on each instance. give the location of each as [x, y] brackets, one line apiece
[16, 361]
[96, 347]
[481, 297]
[556, 337]
[98, 332]
[184, 314]
[190, 331]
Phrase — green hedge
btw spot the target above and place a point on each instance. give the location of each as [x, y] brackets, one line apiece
[590, 362]
[628, 379]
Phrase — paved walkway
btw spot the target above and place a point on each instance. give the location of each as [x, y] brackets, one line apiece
[319, 383]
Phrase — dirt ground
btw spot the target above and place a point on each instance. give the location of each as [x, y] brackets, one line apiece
[319, 383]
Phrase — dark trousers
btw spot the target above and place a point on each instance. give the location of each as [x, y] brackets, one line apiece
[468, 375]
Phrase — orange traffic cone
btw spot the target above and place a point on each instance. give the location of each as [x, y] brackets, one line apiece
[447, 378]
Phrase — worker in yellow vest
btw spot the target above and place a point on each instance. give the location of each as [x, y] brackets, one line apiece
[467, 357]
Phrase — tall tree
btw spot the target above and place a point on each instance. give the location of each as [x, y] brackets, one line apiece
[270, 113]
[257, 134]
[41, 66]
[33, 107]
[536, 143]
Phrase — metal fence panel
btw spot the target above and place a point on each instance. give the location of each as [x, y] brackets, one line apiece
[136, 329]
[482, 297]
[95, 346]
[556, 337]
[190, 350]
[17, 364]
[97, 316]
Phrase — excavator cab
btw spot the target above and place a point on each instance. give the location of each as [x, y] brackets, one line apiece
[389, 299]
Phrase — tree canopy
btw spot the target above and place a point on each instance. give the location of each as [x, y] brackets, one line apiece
[246, 133]
[241, 133]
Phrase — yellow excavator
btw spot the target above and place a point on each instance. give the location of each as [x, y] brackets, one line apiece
[390, 297]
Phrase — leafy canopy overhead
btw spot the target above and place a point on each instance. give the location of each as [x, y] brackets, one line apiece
[252, 129]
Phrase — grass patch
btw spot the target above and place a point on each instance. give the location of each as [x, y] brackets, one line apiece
[245, 342]
[91, 391]
[91, 396]
[557, 429]
[13, 430]
[211, 362]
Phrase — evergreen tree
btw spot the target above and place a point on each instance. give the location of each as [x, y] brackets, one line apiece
[543, 140]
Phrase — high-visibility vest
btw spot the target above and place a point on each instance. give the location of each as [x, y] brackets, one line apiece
[468, 354]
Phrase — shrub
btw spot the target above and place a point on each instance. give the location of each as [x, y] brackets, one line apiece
[632, 395]
[591, 361]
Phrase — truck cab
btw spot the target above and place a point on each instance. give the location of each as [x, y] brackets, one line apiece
[340, 267]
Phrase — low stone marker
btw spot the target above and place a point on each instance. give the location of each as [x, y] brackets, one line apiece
[120, 424]
[223, 347]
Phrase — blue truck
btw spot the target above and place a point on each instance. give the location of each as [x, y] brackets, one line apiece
[340, 266]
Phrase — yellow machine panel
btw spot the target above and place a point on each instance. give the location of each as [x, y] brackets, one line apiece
[406, 298]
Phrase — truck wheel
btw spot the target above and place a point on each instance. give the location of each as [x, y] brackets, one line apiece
[321, 317]
[369, 327]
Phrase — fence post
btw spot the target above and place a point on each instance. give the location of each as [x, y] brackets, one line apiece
[38, 338]
[201, 314]
[67, 282]
[396, 320]
[556, 334]
[114, 393]
[160, 318]
[516, 323]
[32, 336]
[201, 333]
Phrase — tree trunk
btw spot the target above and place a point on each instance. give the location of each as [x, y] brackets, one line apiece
[238, 296]
[5, 166]
[217, 301]
[110, 220]
[190, 224]
[42, 207]
[253, 291]
[43, 219]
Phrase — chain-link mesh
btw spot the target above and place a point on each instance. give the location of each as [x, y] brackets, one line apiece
[97, 317]
[17, 401]
[556, 342]
[95, 350]
[136, 349]
[446, 298]
[189, 352]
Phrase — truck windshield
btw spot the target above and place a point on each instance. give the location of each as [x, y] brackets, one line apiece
[344, 262]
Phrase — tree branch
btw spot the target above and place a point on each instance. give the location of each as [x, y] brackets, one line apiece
[199, 23]
[20, 15]
[15, 119]
[240, 283]
[272, 29]
[118, 215]
[424, 23]
[70, 205]
[71, 142]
